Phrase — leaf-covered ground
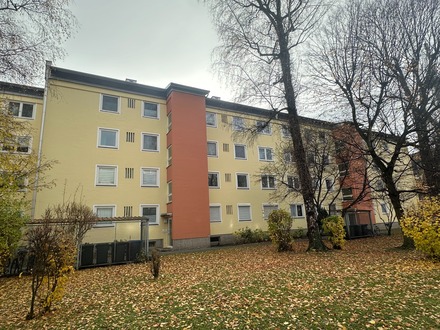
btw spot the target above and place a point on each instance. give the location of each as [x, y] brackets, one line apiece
[370, 284]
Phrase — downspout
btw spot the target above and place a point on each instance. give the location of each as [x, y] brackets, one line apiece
[40, 143]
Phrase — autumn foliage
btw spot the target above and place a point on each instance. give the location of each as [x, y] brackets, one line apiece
[280, 230]
[334, 227]
[422, 224]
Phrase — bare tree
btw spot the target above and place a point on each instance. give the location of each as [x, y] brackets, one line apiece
[259, 38]
[351, 59]
[32, 31]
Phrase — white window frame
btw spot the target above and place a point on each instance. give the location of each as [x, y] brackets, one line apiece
[115, 175]
[384, 208]
[285, 131]
[156, 206]
[218, 179]
[347, 197]
[272, 206]
[157, 109]
[150, 134]
[296, 184]
[20, 109]
[296, 210]
[16, 145]
[245, 151]
[247, 181]
[103, 224]
[157, 170]
[238, 123]
[268, 182]
[216, 148]
[238, 211]
[101, 103]
[214, 115]
[169, 191]
[329, 187]
[266, 131]
[216, 205]
[100, 145]
[265, 159]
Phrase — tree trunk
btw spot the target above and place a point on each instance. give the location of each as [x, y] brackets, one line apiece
[394, 195]
[313, 233]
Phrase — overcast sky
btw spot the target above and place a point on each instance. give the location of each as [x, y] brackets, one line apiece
[153, 41]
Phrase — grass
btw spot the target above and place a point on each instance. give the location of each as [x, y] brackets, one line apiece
[369, 284]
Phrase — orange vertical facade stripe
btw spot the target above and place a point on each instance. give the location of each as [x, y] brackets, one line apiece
[189, 167]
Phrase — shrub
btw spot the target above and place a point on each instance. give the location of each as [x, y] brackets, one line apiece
[334, 227]
[53, 254]
[155, 263]
[280, 224]
[422, 224]
[247, 235]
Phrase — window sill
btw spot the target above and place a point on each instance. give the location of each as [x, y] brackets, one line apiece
[110, 111]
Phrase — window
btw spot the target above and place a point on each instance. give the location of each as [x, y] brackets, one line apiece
[211, 119]
[107, 211]
[287, 156]
[225, 147]
[384, 208]
[240, 151]
[347, 194]
[109, 103]
[228, 177]
[268, 182]
[215, 213]
[267, 208]
[108, 138]
[150, 177]
[244, 212]
[308, 135]
[326, 159]
[285, 131]
[322, 136]
[332, 209]
[212, 149]
[238, 124]
[151, 212]
[296, 210]
[329, 183]
[380, 185]
[106, 175]
[11, 179]
[19, 144]
[242, 181]
[22, 110]
[169, 122]
[170, 191]
[343, 169]
[265, 153]
[169, 155]
[263, 127]
[229, 210]
[213, 181]
[293, 182]
[150, 110]
[150, 142]
[224, 118]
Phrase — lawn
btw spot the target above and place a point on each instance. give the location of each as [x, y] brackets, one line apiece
[370, 284]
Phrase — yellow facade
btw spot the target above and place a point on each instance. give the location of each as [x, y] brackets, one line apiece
[112, 155]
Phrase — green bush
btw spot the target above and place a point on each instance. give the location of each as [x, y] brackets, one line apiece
[422, 224]
[280, 225]
[247, 235]
[334, 227]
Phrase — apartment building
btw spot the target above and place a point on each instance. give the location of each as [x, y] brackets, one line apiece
[171, 154]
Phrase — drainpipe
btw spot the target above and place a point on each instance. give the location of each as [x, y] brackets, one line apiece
[40, 143]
